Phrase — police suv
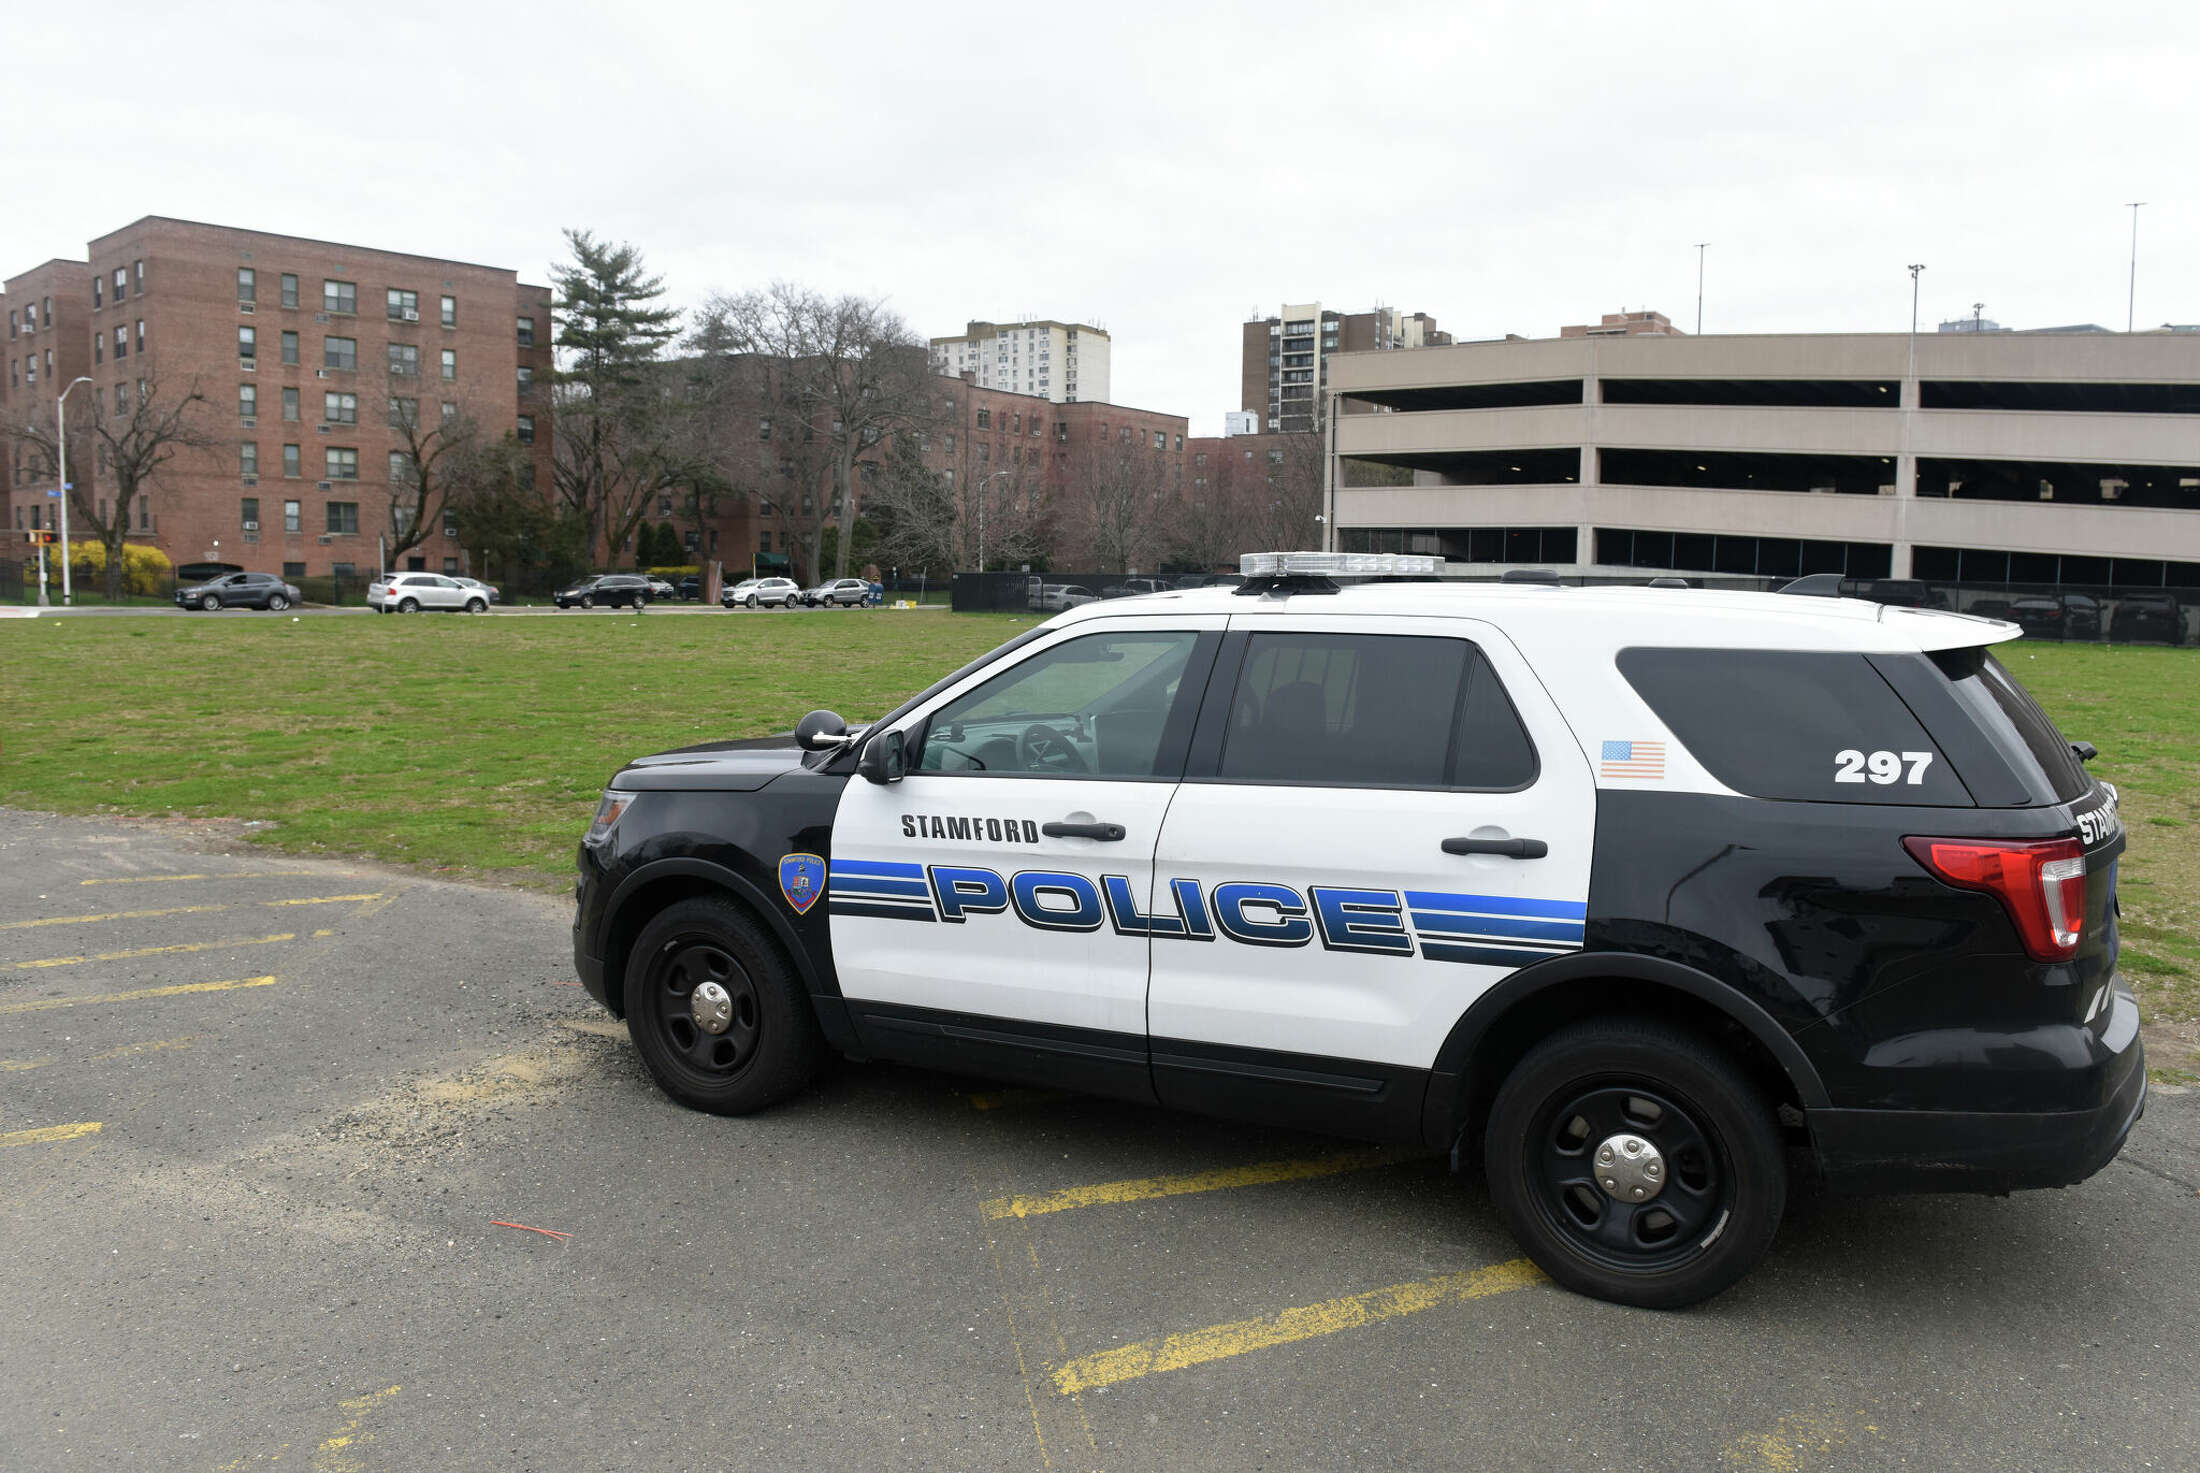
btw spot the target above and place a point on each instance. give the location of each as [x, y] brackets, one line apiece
[1638, 897]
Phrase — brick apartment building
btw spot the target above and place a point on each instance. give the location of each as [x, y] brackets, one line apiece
[1643, 324]
[304, 351]
[1285, 364]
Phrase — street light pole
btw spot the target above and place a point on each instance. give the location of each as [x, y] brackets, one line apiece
[1699, 285]
[1914, 270]
[61, 479]
[2131, 298]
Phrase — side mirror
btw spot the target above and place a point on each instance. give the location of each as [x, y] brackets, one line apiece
[820, 731]
[882, 760]
[2084, 751]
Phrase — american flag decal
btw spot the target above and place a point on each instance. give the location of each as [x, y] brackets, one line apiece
[1644, 760]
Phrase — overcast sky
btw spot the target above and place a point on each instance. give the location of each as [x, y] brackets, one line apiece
[1166, 171]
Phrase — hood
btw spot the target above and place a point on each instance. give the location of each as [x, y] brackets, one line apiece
[721, 767]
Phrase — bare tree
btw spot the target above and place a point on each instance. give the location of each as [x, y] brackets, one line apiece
[129, 442]
[432, 454]
[939, 520]
[844, 371]
[1120, 501]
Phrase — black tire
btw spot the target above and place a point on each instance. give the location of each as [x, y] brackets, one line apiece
[408, 606]
[209, 602]
[276, 603]
[771, 1046]
[1723, 1186]
[640, 603]
[752, 603]
[588, 600]
[477, 606]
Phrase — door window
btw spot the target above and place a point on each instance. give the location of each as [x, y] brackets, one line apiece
[1316, 708]
[1096, 706]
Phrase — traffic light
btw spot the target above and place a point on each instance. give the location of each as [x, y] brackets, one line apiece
[42, 535]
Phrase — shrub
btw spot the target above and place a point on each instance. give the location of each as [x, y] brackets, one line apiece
[145, 570]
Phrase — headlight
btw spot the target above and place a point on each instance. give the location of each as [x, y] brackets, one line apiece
[607, 815]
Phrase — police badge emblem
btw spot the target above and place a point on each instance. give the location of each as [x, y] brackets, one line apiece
[802, 881]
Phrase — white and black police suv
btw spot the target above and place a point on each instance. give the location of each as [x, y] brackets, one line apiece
[1633, 895]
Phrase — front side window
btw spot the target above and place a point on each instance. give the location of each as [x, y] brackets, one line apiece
[401, 468]
[291, 510]
[403, 413]
[340, 296]
[290, 469]
[340, 353]
[404, 360]
[248, 401]
[404, 306]
[248, 343]
[248, 461]
[527, 429]
[290, 404]
[1095, 706]
[527, 332]
[450, 363]
[290, 347]
[343, 518]
[343, 464]
[340, 409]
[247, 284]
[450, 311]
[527, 383]
[1372, 710]
[290, 289]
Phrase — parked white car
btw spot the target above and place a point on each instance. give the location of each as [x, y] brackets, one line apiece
[1055, 597]
[409, 593]
[486, 590]
[764, 593]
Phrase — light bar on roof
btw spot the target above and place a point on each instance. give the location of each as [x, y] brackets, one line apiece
[1335, 564]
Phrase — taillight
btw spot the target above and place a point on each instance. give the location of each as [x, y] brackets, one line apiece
[2041, 885]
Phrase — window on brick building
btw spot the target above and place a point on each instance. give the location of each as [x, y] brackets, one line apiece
[763, 429]
[401, 468]
[985, 451]
[248, 512]
[122, 399]
[450, 527]
[527, 332]
[99, 286]
[404, 360]
[340, 353]
[248, 401]
[122, 283]
[342, 464]
[1061, 431]
[248, 460]
[248, 344]
[291, 469]
[99, 348]
[403, 306]
[145, 513]
[450, 363]
[526, 381]
[293, 512]
[137, 271]
[248, 288]
[450, 567]
[527, 429]
[140, 335]
[290, 289]
[985, 419]
[340, 296]
[290, 347]
[404, 412]
[450, 411]
[450, 311]
[1160, 440]
[290, 404]
[343, 518]
[340, 409]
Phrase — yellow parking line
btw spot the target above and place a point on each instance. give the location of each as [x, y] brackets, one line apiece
[1146, 1189]
[179, 910]
[121, 956]
[151, 1045]
[256, 874]
[11, 1066]
[1306, 1322]
[45, 1003]
[49, 1133]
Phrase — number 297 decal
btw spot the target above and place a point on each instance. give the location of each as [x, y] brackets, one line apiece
[1852, 766]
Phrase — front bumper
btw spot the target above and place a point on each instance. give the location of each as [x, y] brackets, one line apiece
[1988, 1151]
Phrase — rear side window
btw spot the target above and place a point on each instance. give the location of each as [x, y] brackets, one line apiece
[1808, 725]
[2015, 724]
[1372, 710]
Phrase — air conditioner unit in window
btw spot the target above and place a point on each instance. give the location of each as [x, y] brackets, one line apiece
[326, 537]
[248, 365]
[252, 526]
[251, 423]
[412, 314]
[320, 317]
[245, 308]
[322, 429]
[320, 373]
[322, 485]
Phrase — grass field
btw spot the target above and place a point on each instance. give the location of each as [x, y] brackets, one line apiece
[480, 745]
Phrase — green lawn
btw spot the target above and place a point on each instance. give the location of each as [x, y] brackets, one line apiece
[480, 745]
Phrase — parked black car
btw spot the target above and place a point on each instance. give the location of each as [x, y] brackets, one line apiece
[239, 591]
[1904, 593]
[613, 589]
[691, 589]
[2153, 617]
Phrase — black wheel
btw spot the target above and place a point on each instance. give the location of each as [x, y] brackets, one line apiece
[477, 606]
[209, 602]
[408, 606]
[752, 603]
[640, 603]
[716, 1014]
[588, 600]
[276, 603]
[1634, 1162]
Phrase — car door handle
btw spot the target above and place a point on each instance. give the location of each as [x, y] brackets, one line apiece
[1107, 833]
[1506, 848]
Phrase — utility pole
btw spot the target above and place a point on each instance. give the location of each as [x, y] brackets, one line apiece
[1978, 318]
[1914, 270]
[1699, 285]
[2131, 297]
[61, 479]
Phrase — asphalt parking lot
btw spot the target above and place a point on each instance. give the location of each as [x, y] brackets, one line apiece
[330, 1166]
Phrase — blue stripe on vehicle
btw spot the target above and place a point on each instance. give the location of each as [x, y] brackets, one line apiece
[1442, 923]
[863, 885]
[877, 867]
[882, 912]
[1487, 956]
[1503, 905]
